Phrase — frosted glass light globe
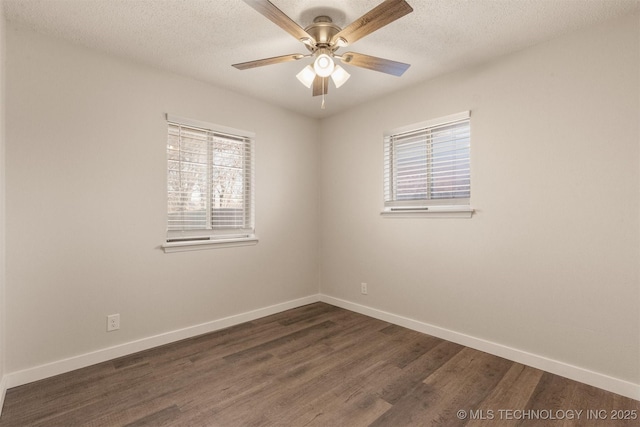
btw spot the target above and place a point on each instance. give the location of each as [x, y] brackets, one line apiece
[323, 65]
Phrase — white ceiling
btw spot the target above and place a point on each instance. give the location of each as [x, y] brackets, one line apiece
[202, 38]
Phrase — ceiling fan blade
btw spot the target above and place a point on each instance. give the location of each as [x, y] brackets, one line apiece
[278, 17]
[268, 61]
[376, 64]
[320, 87]
[381, 15]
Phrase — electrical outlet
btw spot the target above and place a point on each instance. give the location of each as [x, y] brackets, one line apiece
[363, 288]
[113, 322]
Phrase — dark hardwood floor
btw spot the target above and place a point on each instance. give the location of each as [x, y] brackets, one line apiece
[317, 365]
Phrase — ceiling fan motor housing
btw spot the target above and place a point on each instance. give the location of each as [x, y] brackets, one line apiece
[322, 30]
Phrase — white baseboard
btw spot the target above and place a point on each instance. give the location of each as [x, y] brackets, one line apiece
[3, 391]
[36, 373]
[572, 372]
[582, 375]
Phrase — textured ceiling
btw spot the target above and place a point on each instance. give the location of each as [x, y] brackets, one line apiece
[202, 38]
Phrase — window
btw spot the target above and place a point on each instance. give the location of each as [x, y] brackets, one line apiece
[427, 167]
[209, 186]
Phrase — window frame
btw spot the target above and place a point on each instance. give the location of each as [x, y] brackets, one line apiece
[427, 207]
[211, 236]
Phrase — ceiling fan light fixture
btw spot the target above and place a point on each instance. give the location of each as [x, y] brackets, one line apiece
[306, 76]
[323, 65]
[339, 76]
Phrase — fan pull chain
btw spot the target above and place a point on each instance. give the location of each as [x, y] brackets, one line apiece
[322, 105]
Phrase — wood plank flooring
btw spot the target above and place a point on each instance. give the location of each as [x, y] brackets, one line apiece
[316, 365]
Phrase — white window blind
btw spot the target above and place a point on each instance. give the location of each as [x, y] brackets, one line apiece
[209, 181]
[428, 164]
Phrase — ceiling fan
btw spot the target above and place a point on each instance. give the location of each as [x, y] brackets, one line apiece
[323, 38]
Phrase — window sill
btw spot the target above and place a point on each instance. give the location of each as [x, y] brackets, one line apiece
[430, 212]
[200, 245]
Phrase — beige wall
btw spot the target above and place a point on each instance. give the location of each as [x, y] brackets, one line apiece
[86, 204]
[2, 195]
[549, 263]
